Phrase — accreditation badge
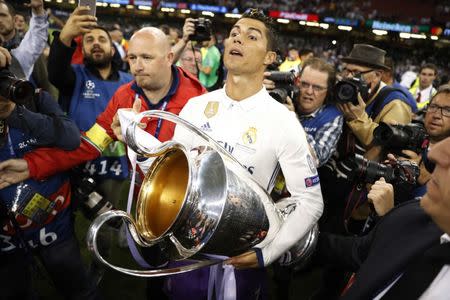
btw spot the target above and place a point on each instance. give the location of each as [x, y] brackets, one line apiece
[211, 109]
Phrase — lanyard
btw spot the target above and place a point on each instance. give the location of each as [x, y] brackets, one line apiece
[163, 108]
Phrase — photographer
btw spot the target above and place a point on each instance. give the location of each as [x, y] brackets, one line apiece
[25, 51]
[37, 217]
[407, 255]
[321, 119]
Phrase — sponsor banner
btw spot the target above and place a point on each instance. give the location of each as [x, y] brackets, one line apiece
[293, 16]
[211, 8]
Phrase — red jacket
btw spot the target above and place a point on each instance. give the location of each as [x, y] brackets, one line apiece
[44, 162]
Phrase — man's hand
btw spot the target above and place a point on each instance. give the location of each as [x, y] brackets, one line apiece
[37, 7]
[13, 171]
[78, 23]
[289, 104]
[5, 58]
[188, 29]
[382, 196]
[244, 261]
[115, 125]
[352, 112]
[424, 175]
[269, 84]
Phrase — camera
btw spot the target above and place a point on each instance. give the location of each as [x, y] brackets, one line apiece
[202, 30]
[396, 138]
[346, 90]
[15, 89]
[93, 204]
[402, 174]
[284, 86]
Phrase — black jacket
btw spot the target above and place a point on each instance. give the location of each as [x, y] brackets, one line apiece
[398, 240]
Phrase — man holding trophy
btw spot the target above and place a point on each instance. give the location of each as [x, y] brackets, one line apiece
[262, 135]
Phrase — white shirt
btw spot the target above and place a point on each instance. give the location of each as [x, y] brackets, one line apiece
[425, 94]
[262, 135]
[440, 287]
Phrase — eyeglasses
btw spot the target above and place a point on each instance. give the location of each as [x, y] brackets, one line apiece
[316, 88]
[354, 73]
[445, 110]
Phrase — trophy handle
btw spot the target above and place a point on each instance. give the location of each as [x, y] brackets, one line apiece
[105, 217]
[133, 143]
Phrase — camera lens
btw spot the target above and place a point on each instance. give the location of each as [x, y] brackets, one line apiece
[346, 92]
[21, 91]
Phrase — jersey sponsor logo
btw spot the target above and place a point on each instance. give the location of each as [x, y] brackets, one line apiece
[227, 146]
[206, 127]
[312, 181]
[311, 164]
[211, 109]
[249, 137]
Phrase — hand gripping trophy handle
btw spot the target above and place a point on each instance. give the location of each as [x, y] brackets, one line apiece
[190, 205]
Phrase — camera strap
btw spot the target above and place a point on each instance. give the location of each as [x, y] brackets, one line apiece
[379, 99]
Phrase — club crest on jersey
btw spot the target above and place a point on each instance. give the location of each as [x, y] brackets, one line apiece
[249, 137]
[211, 109]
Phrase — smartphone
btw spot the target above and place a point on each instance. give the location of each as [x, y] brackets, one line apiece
[91, 3]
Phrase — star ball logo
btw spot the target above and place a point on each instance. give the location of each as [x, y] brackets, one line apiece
[90, 85]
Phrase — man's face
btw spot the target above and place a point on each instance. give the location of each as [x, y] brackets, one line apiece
[188, 61]
[97, 48]
[293, 54]
[436, 202]
[246, 48]
[426, 78]
[307, 56]
[371, 76]
[436, 124]
[150, 61]
[6, 20]
[19, 23]
[313, 90]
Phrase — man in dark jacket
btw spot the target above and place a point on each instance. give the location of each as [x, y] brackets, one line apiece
[407, 255]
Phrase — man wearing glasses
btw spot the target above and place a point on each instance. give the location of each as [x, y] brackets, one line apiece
[321, 120]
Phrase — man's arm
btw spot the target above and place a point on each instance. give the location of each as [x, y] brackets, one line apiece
[34, 40]
[49, 126]
[60, 72]
[302, 181]
[395, 112]
[345, 252]
[325, 140]
[188, 29]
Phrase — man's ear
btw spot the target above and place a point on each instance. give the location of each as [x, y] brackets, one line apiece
[170, 57]
[270, 57]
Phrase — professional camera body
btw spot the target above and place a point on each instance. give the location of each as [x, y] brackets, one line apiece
[346, 90]
[395, 138]
[284, 86]
[93, 204]
[15, 89]
[402, 174]
[202, 31]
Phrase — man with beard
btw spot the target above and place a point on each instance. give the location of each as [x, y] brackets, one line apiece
[24, 51]
[85, 91]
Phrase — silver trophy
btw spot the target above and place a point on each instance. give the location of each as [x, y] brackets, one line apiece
[197, 204]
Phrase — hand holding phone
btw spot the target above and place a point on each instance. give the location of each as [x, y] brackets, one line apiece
[79, 22]
[92, 5]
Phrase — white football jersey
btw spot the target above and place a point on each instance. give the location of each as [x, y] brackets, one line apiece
[263, 135]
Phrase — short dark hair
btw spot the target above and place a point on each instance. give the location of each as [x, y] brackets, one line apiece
[165, 28]
[259, 15]
[429, 66]
[443, 89]
[322, 66]
[305, 51]
[11, 9]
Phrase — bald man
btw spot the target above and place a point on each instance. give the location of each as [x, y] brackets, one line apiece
[157, 84]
